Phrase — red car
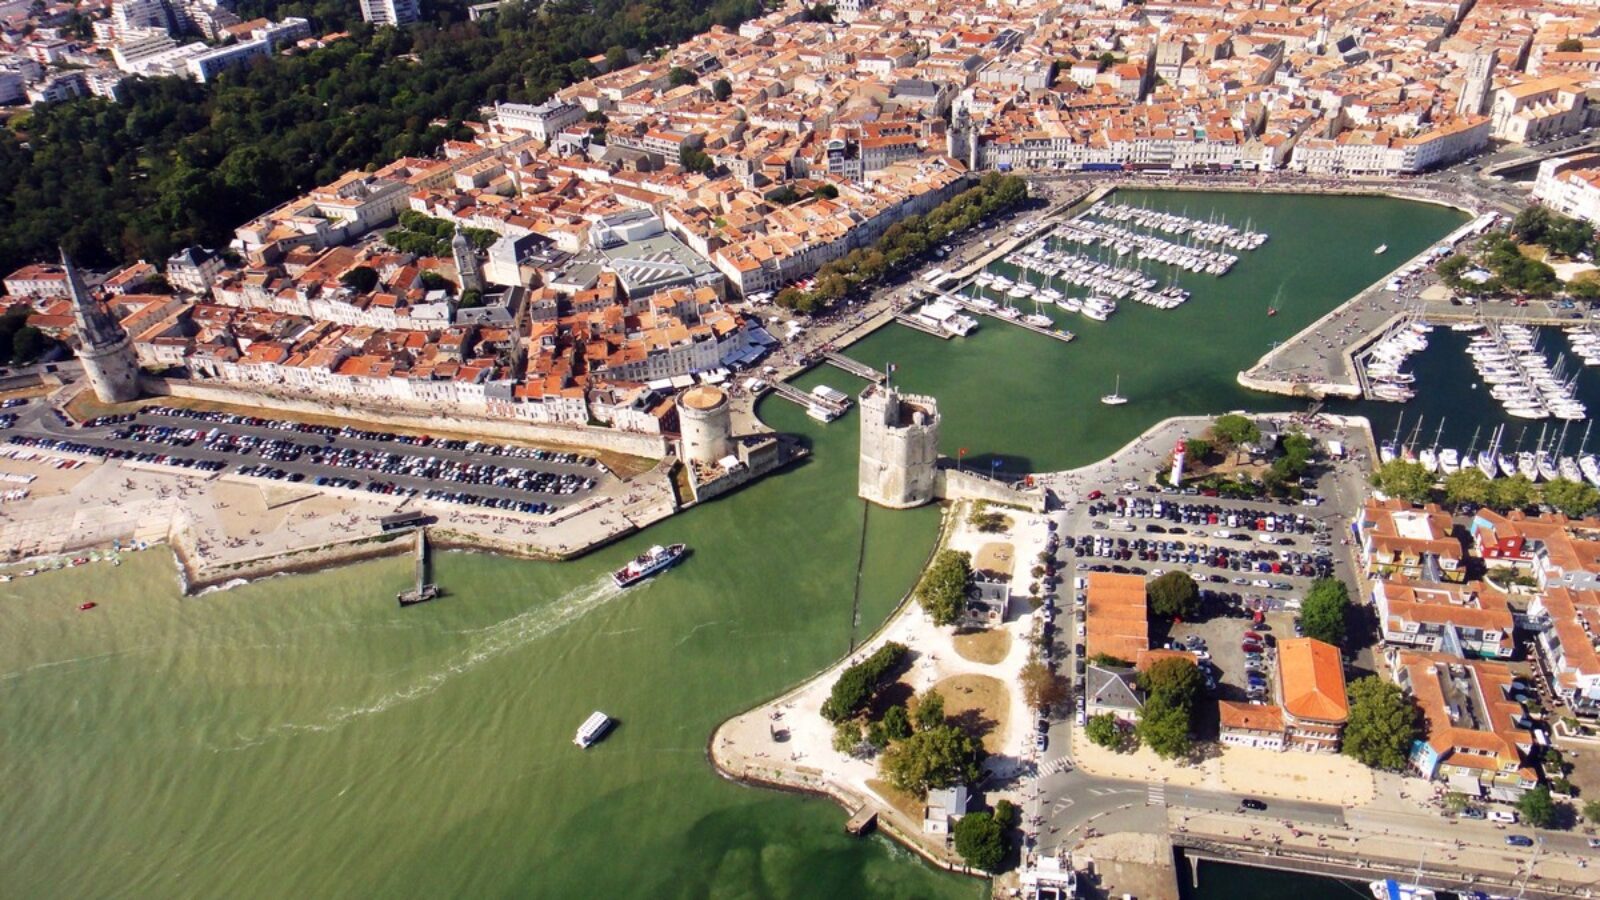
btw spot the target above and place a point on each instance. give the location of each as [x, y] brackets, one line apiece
[1251, 636]
[1095, 495]
[1250, 647]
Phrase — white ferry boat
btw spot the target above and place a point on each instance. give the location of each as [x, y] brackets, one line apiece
[592, 729]
[648, 563]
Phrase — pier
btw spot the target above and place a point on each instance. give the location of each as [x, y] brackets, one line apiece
[425, 590]
[859, 370]
[917, 324]
[863, 821]
[794, 395]
[967, 304]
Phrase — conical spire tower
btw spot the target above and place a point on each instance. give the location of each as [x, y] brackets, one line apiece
[109, 362]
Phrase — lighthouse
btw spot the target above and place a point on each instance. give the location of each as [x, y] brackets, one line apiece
[1177, 463]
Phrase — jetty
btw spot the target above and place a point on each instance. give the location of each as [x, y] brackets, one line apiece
[863, 820]
[860, 370]
[424, 590]
[808, 401]
[967, 304]
[917, 324]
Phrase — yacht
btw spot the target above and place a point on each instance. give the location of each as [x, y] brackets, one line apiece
[1382, 249]
[1115, 398]
[1449, 461]
[1390, 889]
[592, 729]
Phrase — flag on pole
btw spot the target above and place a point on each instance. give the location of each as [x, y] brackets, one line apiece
[962, 452]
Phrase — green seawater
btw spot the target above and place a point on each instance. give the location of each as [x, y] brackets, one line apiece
[304, 737]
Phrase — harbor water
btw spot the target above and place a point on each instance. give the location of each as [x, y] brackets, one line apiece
[303, 736]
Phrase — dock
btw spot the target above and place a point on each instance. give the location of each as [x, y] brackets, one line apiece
[917, 324]
[860, 370]
[862, 821]
[794, 395]
[424, 590]
[969, 306]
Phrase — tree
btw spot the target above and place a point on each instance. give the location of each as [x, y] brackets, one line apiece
[27, 344]
[858, 683]
[360, 279]
[821, 12]
[897, 722]
[1537, 807]
[1233, 429]
[981, 841]
[847, 736]
[825, 192]
[678, 76]
[1569, 45]
[936, 758]
[930, 710]
[1511, 493]
[1530, 225]
[1174, 678]
[1006, 813]
[1323, 613]
[1198, 448]
[942, 592]
[1469, 485]
[1164, 728]
[1173, 595]
[1591, 811]
[1451, 269]
[1382, 725]
[1104, 731]
[1409, 481]
[1041, 688]
[1572, 498]
[721, 90]
[695, 160]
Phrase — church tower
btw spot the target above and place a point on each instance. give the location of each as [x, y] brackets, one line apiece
[466, 263]
[104, 348]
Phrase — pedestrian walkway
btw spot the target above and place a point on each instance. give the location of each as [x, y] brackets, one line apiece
[1156, 795]
[1059, 764]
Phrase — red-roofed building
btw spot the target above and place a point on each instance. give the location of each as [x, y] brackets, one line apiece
[1311, 692]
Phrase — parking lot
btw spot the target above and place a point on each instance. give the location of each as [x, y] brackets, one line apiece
[470, 473]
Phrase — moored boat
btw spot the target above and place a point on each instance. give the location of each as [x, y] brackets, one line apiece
[592, 729]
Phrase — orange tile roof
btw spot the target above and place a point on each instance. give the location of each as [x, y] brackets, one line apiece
[1313, 680]
[1248, 717]
[1115, 621]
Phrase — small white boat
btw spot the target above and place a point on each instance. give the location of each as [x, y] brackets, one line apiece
[1389, 889]
[1382, 248]
[1115, 398]
[592, 729]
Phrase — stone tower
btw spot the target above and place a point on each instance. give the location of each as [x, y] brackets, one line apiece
[899, 447]
[706, 424]
[467, 263]
[106, 351]
[1479, 82]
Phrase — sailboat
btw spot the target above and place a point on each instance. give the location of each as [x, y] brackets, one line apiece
[1272, 308]
[1115, 398]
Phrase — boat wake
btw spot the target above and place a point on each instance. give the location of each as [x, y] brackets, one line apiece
[490, 642]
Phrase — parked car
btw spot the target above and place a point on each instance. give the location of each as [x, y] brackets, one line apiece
[1519, 840]
[1252, 803]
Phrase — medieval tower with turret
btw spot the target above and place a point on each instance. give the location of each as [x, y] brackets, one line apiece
[109, 361]
[899, 447]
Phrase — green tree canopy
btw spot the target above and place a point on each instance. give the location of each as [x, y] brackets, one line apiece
[933, 758]
[1406, 480]
[1572, 498]
[981, 841]
[1538, 808]
[1323, 612]
[942, 592]
[1382, 726]
[1516, 492]
[1469, 485]
[1164, 728]
[856, 685]
[930, 710]
[721, 89]
[361, 278]
[678, 76]
[1103, 730]
[897, 722]
[1232, 429]
[1570, 45]
[1173, 595]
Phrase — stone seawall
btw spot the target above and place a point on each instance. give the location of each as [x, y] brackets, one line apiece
[634, 444]
[950, 484]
